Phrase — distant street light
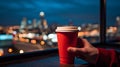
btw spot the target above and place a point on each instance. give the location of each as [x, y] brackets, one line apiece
[42, 13]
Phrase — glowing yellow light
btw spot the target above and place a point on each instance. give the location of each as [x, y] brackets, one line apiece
[21, 51]
[80, 34]
[10, 50]
[42, 43]
[24, 40]
[21, 39]
[86, 33]
[1, 52]
[16, 38]
[115, 28]
[94, 33]
[33, 41]
[20, 35]
[27, 40]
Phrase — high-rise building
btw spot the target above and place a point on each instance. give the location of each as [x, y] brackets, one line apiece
[29, 25]
[23, 24]
[44, 25]
[118, 25]
[39, 24]
[34, 23]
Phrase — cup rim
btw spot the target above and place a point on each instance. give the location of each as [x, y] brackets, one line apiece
[66, 29]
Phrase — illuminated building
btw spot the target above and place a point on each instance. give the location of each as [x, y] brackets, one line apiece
[23, 24]
[118, 26]
[29, 26]
[1, 52]
[44, 25]
[34, 25]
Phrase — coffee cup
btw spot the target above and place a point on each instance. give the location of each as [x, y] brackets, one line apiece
[67, 37]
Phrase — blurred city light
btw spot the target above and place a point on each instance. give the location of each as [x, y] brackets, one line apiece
[79, 28]
[27, 40]
[33, 41]
[42, 43]
[30, 35]
[14, 32]
[53, 37]
[5, 37]
[80, 34]
[41, 13]
[21, 51]
[1, 52]
[10, 50]
[45, 37]
[21, 39]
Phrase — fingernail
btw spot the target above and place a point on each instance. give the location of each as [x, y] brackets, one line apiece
[69, 49]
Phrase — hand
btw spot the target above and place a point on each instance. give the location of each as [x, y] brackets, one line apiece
[85, 51]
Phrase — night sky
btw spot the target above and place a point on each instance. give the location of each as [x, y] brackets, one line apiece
[57, 11]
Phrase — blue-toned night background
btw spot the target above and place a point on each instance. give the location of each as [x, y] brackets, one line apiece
[59, 11]
[23, 30]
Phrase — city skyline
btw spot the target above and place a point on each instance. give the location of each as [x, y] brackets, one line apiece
[59, 11]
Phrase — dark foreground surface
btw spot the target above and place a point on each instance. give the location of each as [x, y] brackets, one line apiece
[38, 59]
[47, 58]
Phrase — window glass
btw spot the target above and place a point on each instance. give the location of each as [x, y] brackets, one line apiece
[29, 25]
[113, 19]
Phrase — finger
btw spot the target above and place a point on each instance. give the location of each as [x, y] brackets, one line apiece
[76, 50]
[83, 42]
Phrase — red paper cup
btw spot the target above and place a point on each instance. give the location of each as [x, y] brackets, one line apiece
[67, 37]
